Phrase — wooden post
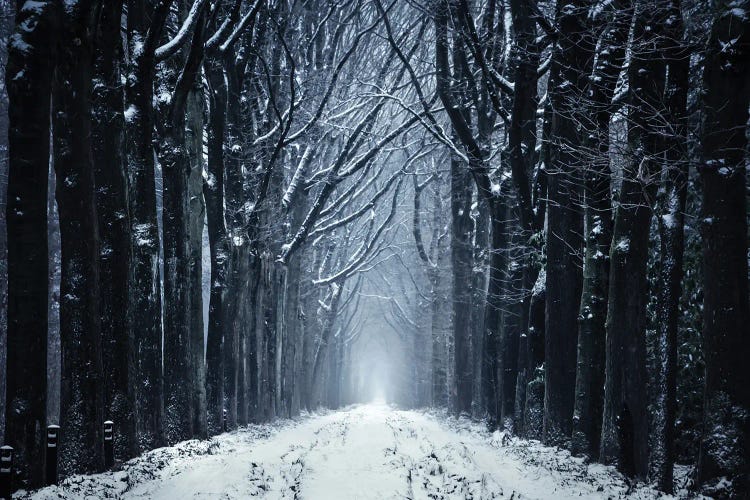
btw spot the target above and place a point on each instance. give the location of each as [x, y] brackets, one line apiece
[109, 444]
[224, 421]
[6, 472]
[53, 435]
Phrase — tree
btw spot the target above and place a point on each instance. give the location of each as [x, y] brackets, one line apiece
[726, 411]
[28, 76]
[625, 419]
[82, 392]
[572, 60]
[589, 388]
[144, 29]
[671, 223]
[112, 205]
[180, 384]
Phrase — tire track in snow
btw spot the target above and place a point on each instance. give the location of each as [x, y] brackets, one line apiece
[362, 452]
[435, 471]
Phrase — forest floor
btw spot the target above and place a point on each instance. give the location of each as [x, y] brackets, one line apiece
[362, 452]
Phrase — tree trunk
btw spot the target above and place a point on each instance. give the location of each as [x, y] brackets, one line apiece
[180, 386]
[589, 388]
[440, 360]
[512, 316]
[672, 240]
[493, 314]
[325, 348]
[115, 234]
[461, 259]
[725, 445]
[145, 295]
[82, 390]
[213, 192]
[521, 157]
[196, 225]
[571, 65]
[625, 420]
[533, 417]
[481, 219]
[29, 82]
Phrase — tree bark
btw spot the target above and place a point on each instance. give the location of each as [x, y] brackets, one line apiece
[145, 295]
[180, 385]
[725, 445]
[625, 419]
[196, 225]
[589, 388]
[82, 390]
[493, 315]
[29, 83]
[671, 223]
[115, 233]
[213, 192]
[571, 64]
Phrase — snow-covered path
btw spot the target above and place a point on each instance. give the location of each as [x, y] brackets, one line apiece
[364, 452]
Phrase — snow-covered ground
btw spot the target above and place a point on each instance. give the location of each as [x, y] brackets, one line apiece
[363, 452]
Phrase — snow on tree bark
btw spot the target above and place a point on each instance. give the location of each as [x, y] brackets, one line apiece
[82, 390]
[112, 206]
[145, 301]
[671, 223]
[572, 60]
[625, 419]
[589, 388]
[723, 463]
[28, 79]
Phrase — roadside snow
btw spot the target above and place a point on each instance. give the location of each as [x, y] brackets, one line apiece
[362, 452]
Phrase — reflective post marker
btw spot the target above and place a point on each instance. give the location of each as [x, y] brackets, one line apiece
[109, 444]
[6, 472]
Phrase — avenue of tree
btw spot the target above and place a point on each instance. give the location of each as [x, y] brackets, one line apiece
[544, 201]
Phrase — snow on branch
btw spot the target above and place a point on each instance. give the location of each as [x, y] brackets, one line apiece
[171, 47]
[361, 255]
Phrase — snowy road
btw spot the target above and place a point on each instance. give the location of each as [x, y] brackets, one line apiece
[365, 452]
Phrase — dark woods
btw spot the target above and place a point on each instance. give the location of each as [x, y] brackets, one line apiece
[544, 201]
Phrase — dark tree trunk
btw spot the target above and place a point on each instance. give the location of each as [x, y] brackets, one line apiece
[237, 278]
[196, 225]
[179, 383]
[82, 390]
[114, 231]
[522, 129]
[571, 65]
[493, 314]
[589, 389]
[7, 25]
[454, 93]
[213, 192]
[520, 152]
[440, 396]
[480, 218]
[29, 83]
[325, 348]
[671, 236]
[625, 420]
[533, 417]
[725, 445]
[461, 259]
[53, 302]
[512, 317]
[145, 295]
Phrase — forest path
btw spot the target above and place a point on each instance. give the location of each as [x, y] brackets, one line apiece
[362, 452]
